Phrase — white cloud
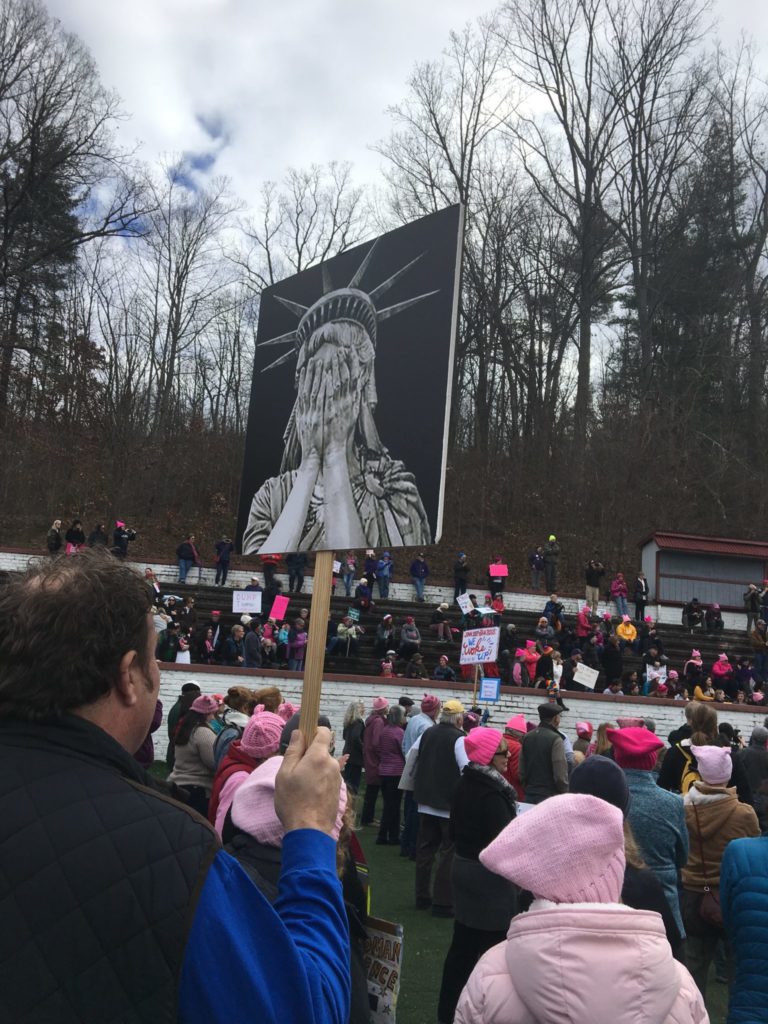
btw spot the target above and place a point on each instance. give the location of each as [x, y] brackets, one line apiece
[284, 82]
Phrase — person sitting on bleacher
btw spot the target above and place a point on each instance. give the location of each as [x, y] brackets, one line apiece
[713, 619]
[410, 638]
[693, 615]
[345, 641]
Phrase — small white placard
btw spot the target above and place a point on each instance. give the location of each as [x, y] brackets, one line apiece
[246, 601]
[464, 603]
[586, 676]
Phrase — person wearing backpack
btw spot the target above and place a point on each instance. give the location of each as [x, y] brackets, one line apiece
[235, 715]
[679, 771]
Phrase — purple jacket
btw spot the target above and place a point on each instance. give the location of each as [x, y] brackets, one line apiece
[374, 725]
[391, 760]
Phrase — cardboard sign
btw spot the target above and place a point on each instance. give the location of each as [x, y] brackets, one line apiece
[497, 570]
[354, 614]
[479, 645]
[383, 960]
[246, 601]
[336, 567]
[490, 689]
[464, 603]
[279, 608]
[586, 676]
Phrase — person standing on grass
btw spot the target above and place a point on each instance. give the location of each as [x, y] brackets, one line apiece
[374, 724]
[441, 759]
[352, 734]
[391, 764]
[484, 903]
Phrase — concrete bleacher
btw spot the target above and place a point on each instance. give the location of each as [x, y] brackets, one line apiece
[523, 608]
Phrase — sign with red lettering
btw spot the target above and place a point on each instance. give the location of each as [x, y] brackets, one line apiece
[479, 645]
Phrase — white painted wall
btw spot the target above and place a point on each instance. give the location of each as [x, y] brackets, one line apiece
[338, 693]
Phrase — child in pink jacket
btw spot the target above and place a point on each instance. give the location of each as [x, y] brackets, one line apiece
[578, 953]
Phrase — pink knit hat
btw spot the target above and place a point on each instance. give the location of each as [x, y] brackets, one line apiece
[205, 704]
[380, 703]
[253, 806]
[586, 832]
[429, 703]
[584, 730]
[481, 744]
[625, 618]
[530, 643]
[635, 747]
[714, 764]
[261, 736]
[516, 723]
[695, 655]
[631, 723]
[287, 710]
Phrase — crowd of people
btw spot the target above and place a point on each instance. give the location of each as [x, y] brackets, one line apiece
[620, 866]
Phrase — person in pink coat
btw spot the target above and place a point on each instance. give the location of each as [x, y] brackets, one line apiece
[578, 953]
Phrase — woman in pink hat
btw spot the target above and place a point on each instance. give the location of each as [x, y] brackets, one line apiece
[714, 816]
[579, 952]
[194, 762]
[391, 764]
[259, 741]
[483, 804]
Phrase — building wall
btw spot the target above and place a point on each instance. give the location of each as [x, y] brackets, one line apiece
[339, 692]
[648, 562]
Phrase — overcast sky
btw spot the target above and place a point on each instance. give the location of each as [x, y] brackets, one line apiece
[268, 84]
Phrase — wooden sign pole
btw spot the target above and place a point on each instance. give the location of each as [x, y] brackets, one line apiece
[318, 629]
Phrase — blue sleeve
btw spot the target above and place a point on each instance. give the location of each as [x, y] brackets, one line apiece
[248, 961]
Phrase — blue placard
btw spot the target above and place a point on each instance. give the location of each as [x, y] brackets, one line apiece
[490, 689]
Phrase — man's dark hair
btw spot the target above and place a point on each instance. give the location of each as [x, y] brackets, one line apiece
[64, 627]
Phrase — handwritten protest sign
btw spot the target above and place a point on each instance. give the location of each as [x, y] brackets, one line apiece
[279, 608]
[479, 645]
[336, 568]
[497, 570]
[586, 676]
[246, 601]
[464, 603]
[383, 958]
[490, 689]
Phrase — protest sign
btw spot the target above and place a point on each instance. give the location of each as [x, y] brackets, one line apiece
[336, 568]
[246, 601]
[354, 614]
[383, 958]
[358, 317]
[464, 603]
[490, 689]
[279, 608]
[497, 570]
[479, 645]
[586, 676]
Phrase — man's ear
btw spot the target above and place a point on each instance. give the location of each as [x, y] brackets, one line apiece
[129, 677]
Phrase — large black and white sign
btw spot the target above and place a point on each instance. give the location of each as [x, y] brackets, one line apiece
[348, 422]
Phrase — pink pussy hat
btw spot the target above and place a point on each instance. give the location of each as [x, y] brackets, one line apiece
[380, 703]
[429, 703]
[481, 744]
[516, 723]
[253, 806]
[714, 763]
[261, 736]
[585, 839]
[287, 710]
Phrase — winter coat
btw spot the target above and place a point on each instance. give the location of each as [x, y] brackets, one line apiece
[224, 549]
[618, 588]
[353, 741]
[612, 965]
[658, 823]
[461, 571]
[583, 623]
[675, 762]
[53, 540]
[551, 552]
[612, 662]
[593, 575]
[419, 569]
[409, 634]
[536, 561]
[744, 902]
[391, 759]
[374, 726]
[627, 632]
[186, 552]
[641, 591]
[721, 818]
[512, 771]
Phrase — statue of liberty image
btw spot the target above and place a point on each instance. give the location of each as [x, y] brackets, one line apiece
[338, 485]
